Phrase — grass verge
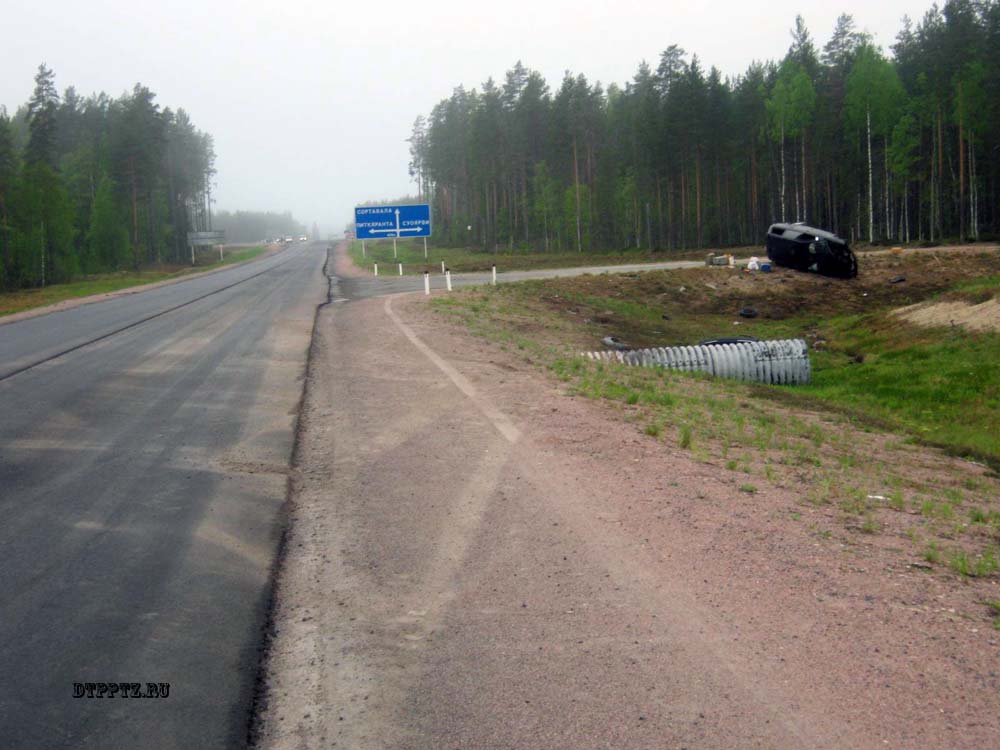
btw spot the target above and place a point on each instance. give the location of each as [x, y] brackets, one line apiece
[27, 299]
[411, 254]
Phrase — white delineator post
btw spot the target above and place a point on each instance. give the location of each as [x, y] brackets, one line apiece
[427, 282]
[494, 281]
[447, 279]
[376, 269]
[400, 268]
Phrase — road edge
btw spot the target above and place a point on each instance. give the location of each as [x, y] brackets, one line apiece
[69, 304]
[259, 692]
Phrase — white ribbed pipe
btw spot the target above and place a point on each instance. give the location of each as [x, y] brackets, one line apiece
[784, 362]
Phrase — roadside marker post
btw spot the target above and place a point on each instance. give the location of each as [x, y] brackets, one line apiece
[494, 274]
[447, 279]
[221, 258]
[400, 269]
[427, 282]
[376, 269]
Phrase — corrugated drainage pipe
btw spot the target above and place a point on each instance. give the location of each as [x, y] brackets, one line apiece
[784, 362]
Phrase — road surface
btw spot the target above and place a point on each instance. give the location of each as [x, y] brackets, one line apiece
[144, 450]
[144, 453]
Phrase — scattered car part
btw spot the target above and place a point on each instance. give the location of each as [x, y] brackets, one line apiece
[784, 362]
[614, 343]
[807, 248]
[728, 340]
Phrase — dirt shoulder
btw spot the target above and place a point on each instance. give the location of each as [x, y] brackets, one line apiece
[343, 264]
[477, 559]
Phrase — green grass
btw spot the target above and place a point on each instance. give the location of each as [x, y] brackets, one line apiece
[932, 554]
[976, 567]
[26, 299]
[464, 259]
[685, 439]
[942, 387]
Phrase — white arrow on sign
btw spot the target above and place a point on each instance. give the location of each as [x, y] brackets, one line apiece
[395, 231]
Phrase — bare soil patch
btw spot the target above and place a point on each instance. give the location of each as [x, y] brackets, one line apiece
[982, 317]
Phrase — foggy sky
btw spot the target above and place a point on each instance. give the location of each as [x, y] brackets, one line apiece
[310, 103]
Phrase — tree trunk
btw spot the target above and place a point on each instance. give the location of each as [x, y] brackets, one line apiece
[545, 222]
[43, 252]
[135, 212]
[659, 212]
[871, 199]
[940, 171]
[973, 190]
[4, 242]
[804, 204]
[576, 180]
[906, 212]
[961, 167]
[783, 171]
[885, 189]
[697, 193]
[684, 189]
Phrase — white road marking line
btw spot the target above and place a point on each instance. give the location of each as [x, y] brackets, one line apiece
[498, 418]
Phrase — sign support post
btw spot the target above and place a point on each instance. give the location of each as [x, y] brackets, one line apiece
[425, 248]
[207, 239]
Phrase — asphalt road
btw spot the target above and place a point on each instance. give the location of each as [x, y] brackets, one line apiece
[376, 286]
[145, 444]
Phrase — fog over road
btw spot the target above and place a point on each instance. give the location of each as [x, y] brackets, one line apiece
[141, 483]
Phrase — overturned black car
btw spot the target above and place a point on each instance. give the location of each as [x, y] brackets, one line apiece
[806, 248]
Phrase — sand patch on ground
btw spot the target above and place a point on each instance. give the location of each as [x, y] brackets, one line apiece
[982, 317]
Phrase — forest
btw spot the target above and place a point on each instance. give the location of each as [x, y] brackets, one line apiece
[96, 184]
[875, 145]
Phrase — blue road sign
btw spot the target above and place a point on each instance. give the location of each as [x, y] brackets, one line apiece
[387, 222]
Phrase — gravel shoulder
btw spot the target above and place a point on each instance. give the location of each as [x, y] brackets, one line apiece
[476, 559]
